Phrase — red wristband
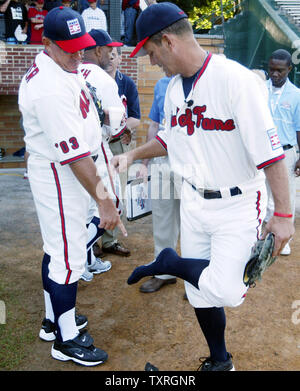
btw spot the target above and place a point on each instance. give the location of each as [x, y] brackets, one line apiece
[282, 215]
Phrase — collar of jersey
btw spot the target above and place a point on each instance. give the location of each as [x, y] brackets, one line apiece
[47, 54]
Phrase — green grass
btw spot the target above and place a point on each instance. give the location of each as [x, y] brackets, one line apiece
[16, 334]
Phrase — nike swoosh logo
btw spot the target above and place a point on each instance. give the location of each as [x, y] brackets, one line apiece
[83, 339]
[79, 355]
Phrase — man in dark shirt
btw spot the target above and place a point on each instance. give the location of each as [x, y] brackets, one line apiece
[49, 4]
[130, 8]
[15, 14]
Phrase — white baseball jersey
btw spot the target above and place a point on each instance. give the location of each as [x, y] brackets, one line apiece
[58, 128]
[211, 140]
[61, 127]
[106, 90]
[219, 138]
[94, 19]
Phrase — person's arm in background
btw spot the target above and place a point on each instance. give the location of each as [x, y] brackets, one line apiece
[297, 128]
[152, 132]
[85, 171]
[133, 112]
[4, 6]
[25, 20]
[297, 165]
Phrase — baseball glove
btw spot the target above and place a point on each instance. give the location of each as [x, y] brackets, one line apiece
[260, 259]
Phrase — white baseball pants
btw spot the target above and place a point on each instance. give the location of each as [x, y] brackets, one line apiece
[222, 231]
[62, 206]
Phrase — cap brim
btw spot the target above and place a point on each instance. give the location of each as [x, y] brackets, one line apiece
[139, 48]
[76, 44]
[115, 44]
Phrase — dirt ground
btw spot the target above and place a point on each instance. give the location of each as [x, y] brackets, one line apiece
[263, 334]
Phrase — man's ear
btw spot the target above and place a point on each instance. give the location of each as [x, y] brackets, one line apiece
[167, 41]
[46, 41]
[98, 51]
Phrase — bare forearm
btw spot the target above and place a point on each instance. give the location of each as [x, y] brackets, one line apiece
[132, 123]
[149, 150]
[4, 6]
[281, 224]
[85, 171]
[277, 177]
[152, 130]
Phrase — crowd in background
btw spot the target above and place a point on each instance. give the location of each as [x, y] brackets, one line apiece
[24, 18]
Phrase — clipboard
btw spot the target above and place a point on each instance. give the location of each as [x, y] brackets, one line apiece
[138, 198]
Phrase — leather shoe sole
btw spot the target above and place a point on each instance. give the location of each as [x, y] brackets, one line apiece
[97, 251]
[154, 284]
[117, 249]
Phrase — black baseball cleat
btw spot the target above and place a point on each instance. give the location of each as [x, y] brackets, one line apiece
[47, 332]
[261, 258]
[211, 365]
[80, 350]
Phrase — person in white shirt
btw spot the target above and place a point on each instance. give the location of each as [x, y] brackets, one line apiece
[284, 103]
[94, 17]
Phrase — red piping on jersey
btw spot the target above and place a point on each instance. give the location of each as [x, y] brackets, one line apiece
[120, 133]
[74, 159]
[268, 162]
[62, 220]
[112, 186]
[258, 213]
[204, 66]
[162, 142]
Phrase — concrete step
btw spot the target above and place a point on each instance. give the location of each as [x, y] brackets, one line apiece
[10, 161]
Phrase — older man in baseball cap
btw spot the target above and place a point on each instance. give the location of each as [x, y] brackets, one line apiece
[219, 148]
[63, 139]
[100, 52]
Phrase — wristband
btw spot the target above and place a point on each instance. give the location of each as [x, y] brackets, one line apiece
[283, 215]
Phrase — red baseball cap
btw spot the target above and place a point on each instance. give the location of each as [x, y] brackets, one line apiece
[66, 28]
[153, 19]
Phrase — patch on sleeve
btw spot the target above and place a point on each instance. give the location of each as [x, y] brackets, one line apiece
[274, 139]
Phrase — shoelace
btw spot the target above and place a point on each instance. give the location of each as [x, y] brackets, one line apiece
[204, 361]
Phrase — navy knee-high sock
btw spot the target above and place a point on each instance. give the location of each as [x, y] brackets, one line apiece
[213, 322]
[62, 296]
[94, 232]
[45, 271]
[169, 262]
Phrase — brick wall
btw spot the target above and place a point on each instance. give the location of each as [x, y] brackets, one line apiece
[16, 59]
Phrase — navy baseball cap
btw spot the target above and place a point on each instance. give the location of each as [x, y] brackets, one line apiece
[153, 19]
[102, 38]
[66, 28]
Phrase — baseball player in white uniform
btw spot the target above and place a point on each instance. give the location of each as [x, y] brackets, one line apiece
[105, 90]
[63, 138]
[219, 137]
